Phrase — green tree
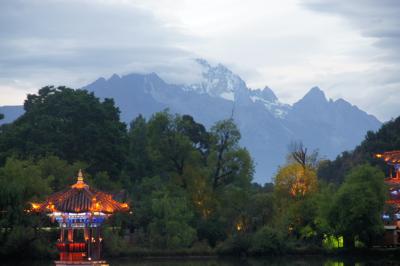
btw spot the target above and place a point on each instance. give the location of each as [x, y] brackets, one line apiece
[267, 240]
[170, 226]
[196, 132]
[169, 148]
[228, 162]
[138, 164]
[260, 209]
[71, 124]
[59, 172]
[296, 187]
[21, 182]
[358, 205]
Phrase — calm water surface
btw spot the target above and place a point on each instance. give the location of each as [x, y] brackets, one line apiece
[277, 261]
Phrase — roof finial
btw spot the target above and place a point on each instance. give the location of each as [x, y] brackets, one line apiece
[80, 176]
[79, 183]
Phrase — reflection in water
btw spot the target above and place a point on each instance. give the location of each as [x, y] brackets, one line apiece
[272, 261]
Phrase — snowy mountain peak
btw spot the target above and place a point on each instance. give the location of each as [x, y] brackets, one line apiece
[268, 98]
[218, 81]
[268, 94]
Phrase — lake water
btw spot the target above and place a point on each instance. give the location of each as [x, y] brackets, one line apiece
[276, 261]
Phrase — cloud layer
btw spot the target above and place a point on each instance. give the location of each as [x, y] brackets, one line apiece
[378, 21]
[348, 48]
[76, 41]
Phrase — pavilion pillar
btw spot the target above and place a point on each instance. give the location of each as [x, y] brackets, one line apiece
[86, 233]
[95, 243]
[99, 239]
[62, 233]
[70, 235]
[89, 243]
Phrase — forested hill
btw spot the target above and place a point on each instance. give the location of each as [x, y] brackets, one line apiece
[387, 138]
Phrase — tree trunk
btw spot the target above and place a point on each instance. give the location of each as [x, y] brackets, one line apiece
[348, 242]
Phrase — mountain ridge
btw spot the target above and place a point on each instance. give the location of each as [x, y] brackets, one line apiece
[267, 125]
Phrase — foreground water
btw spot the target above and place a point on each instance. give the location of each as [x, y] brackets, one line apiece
[275, 261]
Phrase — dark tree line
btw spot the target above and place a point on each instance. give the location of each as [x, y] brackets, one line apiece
[189, 187]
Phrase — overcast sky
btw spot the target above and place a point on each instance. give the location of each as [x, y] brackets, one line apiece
[350, 49]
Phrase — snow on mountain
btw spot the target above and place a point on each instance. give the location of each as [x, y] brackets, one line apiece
[218, 81]
[268, 98]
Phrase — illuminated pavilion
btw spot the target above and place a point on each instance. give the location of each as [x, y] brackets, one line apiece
[392, 224]
[80, 211]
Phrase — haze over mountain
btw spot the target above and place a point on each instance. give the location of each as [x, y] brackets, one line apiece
[267, 125]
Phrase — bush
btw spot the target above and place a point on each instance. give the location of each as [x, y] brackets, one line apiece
[235, 245]
[267, 241]
[114, 245]
[25, 239]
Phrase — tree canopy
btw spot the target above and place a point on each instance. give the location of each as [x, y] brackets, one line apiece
[71, 124]
[189, 186]
[356, 211]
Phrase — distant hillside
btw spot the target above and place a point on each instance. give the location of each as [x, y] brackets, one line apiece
[387, 138]
[267, 125]
[11, 113]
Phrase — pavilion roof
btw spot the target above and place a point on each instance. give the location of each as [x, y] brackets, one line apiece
[390, 157]
[80, 198]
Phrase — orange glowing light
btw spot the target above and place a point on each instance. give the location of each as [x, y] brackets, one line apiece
[35, 206]
[80, 184]
[51, 207]
[100, 201]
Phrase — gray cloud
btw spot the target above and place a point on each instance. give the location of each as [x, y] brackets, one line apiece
[379, 21]
[82, 39]
[73, 42]
[375, 19]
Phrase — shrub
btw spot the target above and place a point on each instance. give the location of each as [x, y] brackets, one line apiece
[267, 241]
[235, 245]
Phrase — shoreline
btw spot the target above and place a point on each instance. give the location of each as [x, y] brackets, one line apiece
[154, 255]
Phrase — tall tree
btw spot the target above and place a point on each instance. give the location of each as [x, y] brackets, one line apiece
[20, 183]
[295, 180]
[358, 205]
[300, 154]
[196, 132]
[170, 149]
[229, 162]
[71, 124]
[138, 164]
